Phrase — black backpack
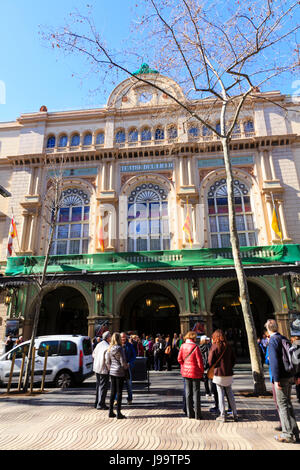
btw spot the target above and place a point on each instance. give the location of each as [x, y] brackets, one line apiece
[290, 357]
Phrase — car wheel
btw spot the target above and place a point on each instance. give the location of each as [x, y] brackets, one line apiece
[64, 379]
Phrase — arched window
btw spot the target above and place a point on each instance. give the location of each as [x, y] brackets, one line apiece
[72, 229]
[172, 132]
[100, 138]
[159, 134]
[63, 141]
[133, 135]
[120, 137]
[146, 134]
[206, 131]
[148, 219]
[236, 130]
[193, 132]
[218, 214]
[218, 127]
[75, 141]
[248, 127]
[87, 140]
[51, 142]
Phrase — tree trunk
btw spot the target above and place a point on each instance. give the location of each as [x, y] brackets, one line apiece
[256, 365]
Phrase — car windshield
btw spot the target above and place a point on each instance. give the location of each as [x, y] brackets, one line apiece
[17, 350]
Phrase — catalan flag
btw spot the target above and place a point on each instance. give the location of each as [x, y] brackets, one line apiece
[11, 235]
[187, 227]
[100, 234]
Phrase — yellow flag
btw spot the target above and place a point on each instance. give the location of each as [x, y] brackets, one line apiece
[275, 224]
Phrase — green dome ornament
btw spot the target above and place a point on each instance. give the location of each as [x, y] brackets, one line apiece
[145, 69]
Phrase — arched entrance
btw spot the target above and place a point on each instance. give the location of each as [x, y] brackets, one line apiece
[63, 311]
[227, 313]
[150, 309]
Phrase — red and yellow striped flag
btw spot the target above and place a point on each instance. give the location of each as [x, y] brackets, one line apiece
[100, 234]
[11, 235]
[187, 227]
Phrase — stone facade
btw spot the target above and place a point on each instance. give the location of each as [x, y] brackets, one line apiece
[138, 139]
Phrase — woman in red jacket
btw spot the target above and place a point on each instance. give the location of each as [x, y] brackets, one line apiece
[192, 368]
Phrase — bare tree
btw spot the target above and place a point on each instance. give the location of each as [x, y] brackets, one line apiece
[52, 202]
[220, 51]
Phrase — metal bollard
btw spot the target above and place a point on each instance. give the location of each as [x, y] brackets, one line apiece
[45, 368]
[22, 368]
[11, 372]
[32, 370]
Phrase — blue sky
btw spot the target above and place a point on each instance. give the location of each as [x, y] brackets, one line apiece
[36, 75]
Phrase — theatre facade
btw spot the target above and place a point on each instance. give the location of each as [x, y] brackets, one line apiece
[132, 173]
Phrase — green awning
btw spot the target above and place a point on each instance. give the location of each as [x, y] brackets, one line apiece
[129, 261]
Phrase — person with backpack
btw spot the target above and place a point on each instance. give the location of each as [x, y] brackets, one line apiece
[282, 379]
[295, 354]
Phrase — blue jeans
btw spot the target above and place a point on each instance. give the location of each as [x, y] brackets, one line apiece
[221, 396]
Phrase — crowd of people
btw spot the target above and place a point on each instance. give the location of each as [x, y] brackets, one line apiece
[211, 362]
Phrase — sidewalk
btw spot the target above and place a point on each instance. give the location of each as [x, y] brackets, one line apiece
[67, 420]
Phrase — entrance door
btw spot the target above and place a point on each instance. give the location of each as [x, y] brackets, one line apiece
[63, 311]
[228, 315]
[150, 309]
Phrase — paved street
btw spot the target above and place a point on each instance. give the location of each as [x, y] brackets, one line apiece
[67, 420]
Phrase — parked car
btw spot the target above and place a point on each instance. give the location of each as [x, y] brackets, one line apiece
[69, 360]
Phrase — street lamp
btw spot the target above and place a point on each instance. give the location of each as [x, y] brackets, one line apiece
[8, 298]
[295, 281]
[195, 293]
[99, 294]
[148, 302]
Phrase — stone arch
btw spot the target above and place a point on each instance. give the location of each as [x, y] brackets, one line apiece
[226, 310]
[270, 291]
[82, 288]
[133, 284]
[135, 293]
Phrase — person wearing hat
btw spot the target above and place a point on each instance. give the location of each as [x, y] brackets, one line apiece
[295, 351]
[101, 370]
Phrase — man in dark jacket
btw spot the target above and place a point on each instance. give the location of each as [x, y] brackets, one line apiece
[283, 386]
[130, 354]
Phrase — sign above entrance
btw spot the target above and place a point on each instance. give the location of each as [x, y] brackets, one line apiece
[217, 162]
[147, 167]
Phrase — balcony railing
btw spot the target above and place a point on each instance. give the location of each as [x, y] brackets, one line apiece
[258, 255]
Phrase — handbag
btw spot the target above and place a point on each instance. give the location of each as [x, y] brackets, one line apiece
[210, 373]
[168, 350]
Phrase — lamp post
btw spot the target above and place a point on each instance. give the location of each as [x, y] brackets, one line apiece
[195, 294]
[99, 295]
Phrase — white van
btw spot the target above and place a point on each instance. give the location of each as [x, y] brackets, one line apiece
[69, 360]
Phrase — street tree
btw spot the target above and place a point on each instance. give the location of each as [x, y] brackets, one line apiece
[221, 53]
[52, 200]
